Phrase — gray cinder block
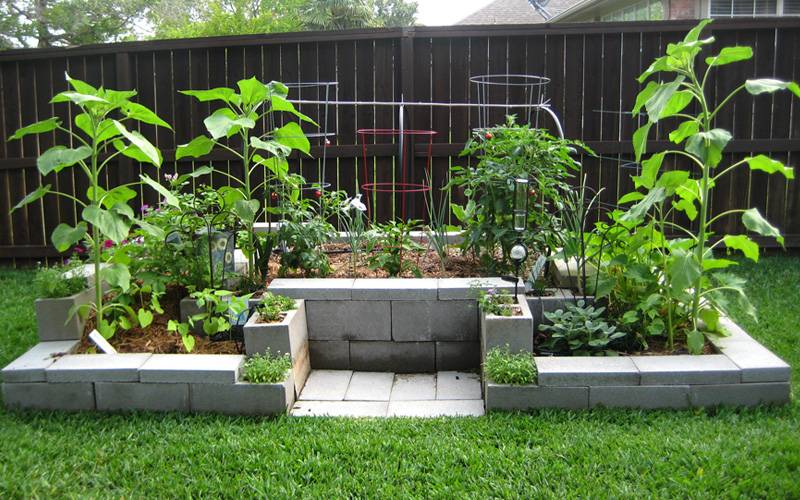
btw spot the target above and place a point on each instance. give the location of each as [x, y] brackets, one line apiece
[45, 396]
[329, 354]
[446, 320]
[586, 371]
[774, 393]
[458, 356]
[467, 288]
[516, 332]
[126, 396]
[30, 366]
[395, 289]
[284, 337]
[639, 396]
[686, 369]
[349, 320]
[243, 398]
[96, 368]
[313, 288]
[529, 397]
[53, 320]
[192, 368]
[399, 357]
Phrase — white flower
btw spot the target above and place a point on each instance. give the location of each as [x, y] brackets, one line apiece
[355, 202]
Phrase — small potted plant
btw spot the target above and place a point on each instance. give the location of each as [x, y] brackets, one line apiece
[279, 325]
[61, 289]
[505, 321]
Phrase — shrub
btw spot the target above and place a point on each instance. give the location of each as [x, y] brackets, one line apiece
[52, 283]
[503, 367]
[272, 307]
[581, 329]
[266, 368]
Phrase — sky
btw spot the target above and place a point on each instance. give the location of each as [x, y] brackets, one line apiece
[446, 12]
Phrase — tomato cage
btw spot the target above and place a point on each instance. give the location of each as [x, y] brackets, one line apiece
[504, 94]
[374, 184]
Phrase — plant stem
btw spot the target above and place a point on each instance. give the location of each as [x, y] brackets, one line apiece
[704, 188]
[98, 289]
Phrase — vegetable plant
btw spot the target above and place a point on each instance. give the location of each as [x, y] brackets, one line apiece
[241, 127]
[273, 308]
[266, 368]
[101, 133]
[303, 231]
[504, 367]
[353, 222]
[580, 329]
[390, 244]
[219, 310]
[693, 276]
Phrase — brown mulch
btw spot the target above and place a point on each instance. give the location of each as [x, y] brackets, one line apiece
[657, 346]
[156, 338]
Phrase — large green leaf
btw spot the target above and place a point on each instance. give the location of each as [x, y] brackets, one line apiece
[36, 128]
[275, 164]
[744, 244]
[684, 130]
[57, 158]
[676, 104]
[216, 94]
[272, 147]
[169, 198]
[76, 97]
[143, 114]
[291, 135]
[246, 210]
[683, 270]
[151, 229]
[643, 96]
[280, 104]
[650, 168]
[224, 123]
[120, 194]
[277, 88]
[730, 55]
[672, 180]
[116, 275]
[660, 98]
[753, 221]
[64, 236]
[640, 140]
[111, 224]
[686, 206]
[32, 196]
[198, 172]
[770, 85]
[252, 91]
[199, 146]
[630, 197]
[638, 211]
[79, 85]
[138, 141]
[105, 129]
[767, 164]
[708, 146]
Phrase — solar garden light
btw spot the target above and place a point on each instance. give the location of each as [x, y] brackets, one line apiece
[519, 252]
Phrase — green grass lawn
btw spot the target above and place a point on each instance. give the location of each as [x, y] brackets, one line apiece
[601, 453]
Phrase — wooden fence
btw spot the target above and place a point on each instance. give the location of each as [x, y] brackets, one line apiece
[592, 68]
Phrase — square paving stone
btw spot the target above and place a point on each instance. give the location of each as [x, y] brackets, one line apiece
[30, 366]
[355, 409]
[686, 369]
[458, 385]
[413, 387]
[96, 368]
[437, 408]
[757, 363]
[370, 386]
[192, 368]
[326, 385]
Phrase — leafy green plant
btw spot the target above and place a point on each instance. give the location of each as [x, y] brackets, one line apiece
[496, 302]
[303, 231]
[263, 151]
[438, 228]
[536, 281]
[693, 277]
[505, 153]
[59, 281]
[503, 367]
[353, 222]
[220, 309]
[266, 368]
[389, 245]
[100, 135]
[272, 307]
[580, 329]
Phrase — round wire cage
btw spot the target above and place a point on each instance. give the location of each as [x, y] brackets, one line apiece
[405, 139]
[522, 95]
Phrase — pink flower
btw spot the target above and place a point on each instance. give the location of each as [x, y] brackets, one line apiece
[145, 208]
[79, 250]
[108, 244]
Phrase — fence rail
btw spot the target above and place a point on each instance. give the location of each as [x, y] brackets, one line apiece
[592, 68]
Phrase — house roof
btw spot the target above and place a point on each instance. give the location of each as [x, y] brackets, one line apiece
[515, 12]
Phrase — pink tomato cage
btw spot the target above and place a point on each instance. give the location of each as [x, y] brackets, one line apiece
[405, 140]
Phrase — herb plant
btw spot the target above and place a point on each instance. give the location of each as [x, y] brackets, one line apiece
[272, 307]
[496, 302]
[59, 281]
[503, 367]
[437, 227]
[101, 133]
[266, 368]
[693, 277]
[580, 329]
[390, 244]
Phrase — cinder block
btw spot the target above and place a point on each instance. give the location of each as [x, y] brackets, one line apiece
[447, 320]
[775, 393]
[96, 368]
[586, 371]
[243, 398]
[757, 363]
[43, 396]
[516, 332]
[127, 396]
[329, 354]
[192, 368]
[530, 397]
[349, 320]
[313, 288]
[639, 396]
[467, 288]
[301, 368]
[285, 337]
[30, 366]
[568, 275]
[686, 369]
[399, 357]
[458, 356]
[395, 289]
[556, 299]
[53, 320]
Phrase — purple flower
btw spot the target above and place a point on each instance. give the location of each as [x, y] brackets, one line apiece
[108, 244]
[145, 208]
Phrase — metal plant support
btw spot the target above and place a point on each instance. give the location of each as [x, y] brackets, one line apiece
[523, 95]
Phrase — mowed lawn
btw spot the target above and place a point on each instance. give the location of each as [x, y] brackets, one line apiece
[601, 453]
